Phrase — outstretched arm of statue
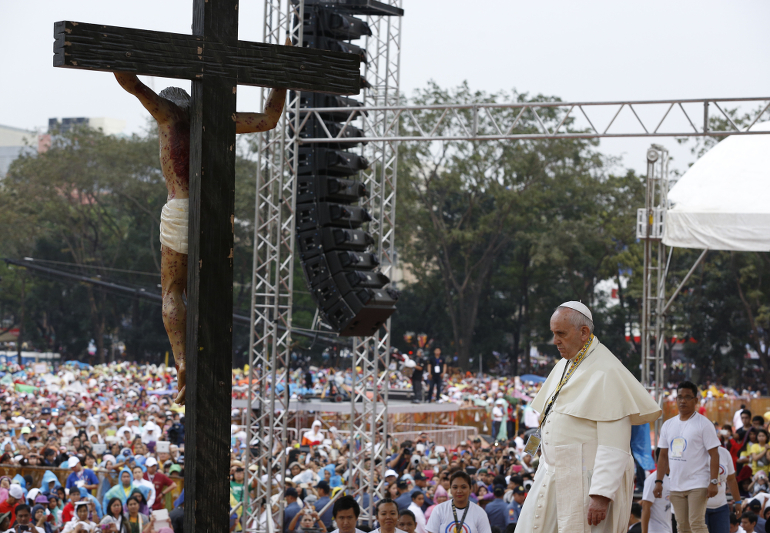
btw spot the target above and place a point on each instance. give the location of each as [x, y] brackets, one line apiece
[161, 109]
[268, 119]
[254, 122]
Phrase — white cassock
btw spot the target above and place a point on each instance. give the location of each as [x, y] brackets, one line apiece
[586, 446]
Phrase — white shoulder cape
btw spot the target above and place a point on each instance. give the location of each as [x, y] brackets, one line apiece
[601, 389]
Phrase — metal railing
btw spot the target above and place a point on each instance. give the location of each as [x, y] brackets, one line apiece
[441, 435]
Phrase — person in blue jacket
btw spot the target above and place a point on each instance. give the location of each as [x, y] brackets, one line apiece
[45, 486]
[85, 495]
[121, 490]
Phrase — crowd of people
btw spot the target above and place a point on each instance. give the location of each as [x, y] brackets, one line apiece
[106, 447]
[421, 475]
[90, 447]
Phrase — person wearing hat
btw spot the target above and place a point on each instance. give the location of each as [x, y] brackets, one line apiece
[404, 499]
[79, 521]
[390, 476]
[514, 508]
[15, 497]
[497, 509]
[754, 506]
[324, 491]
[588, 404]
[292, 507]
[421, 483]
[237, 475]
[80, 477]
[160, 481]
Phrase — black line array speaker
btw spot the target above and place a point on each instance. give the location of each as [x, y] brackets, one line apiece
[335, 250]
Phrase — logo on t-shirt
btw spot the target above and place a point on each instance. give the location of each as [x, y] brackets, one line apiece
[678, 446]
[452, 528]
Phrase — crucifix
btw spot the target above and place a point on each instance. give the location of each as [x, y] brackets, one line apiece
[216, 62]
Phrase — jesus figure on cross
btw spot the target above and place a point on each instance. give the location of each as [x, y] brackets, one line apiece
[170, 109]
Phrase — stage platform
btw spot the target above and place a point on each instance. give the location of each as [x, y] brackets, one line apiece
[394, 407]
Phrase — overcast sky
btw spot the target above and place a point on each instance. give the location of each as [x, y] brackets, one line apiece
[579, 51]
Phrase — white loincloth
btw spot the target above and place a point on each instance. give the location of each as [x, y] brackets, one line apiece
[173, 224]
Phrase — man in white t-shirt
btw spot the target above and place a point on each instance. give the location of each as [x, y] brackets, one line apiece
[656, 512]
[689, 447]
[717, 510]
[459, 512]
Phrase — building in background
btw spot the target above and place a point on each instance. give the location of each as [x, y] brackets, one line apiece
[14, 142]
[109, 126]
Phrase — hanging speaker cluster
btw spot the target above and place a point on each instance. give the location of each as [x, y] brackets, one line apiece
[335, 250]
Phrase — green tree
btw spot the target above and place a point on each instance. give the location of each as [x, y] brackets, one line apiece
[91, 205]
[510, 229]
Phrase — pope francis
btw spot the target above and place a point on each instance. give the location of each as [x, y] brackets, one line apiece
[588, 404]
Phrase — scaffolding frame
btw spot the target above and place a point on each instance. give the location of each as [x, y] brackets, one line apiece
[649, 229]
[272, 286]
[369, 397]
[581, 120]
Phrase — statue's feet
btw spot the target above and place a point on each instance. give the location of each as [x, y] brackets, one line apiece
[181, 384]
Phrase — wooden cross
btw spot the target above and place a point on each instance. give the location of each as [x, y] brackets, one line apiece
[216, 62]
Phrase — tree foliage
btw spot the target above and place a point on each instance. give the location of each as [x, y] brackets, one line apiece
[508, 230]
[91, 205]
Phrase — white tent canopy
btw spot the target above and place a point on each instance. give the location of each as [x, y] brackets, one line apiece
[723, 201]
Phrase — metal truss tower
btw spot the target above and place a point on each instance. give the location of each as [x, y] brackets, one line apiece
[369, 401]
[272, 285]
[649, 228]
[656, 302]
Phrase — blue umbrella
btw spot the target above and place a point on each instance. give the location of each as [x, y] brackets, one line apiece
[533, 378]
[83, 366]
